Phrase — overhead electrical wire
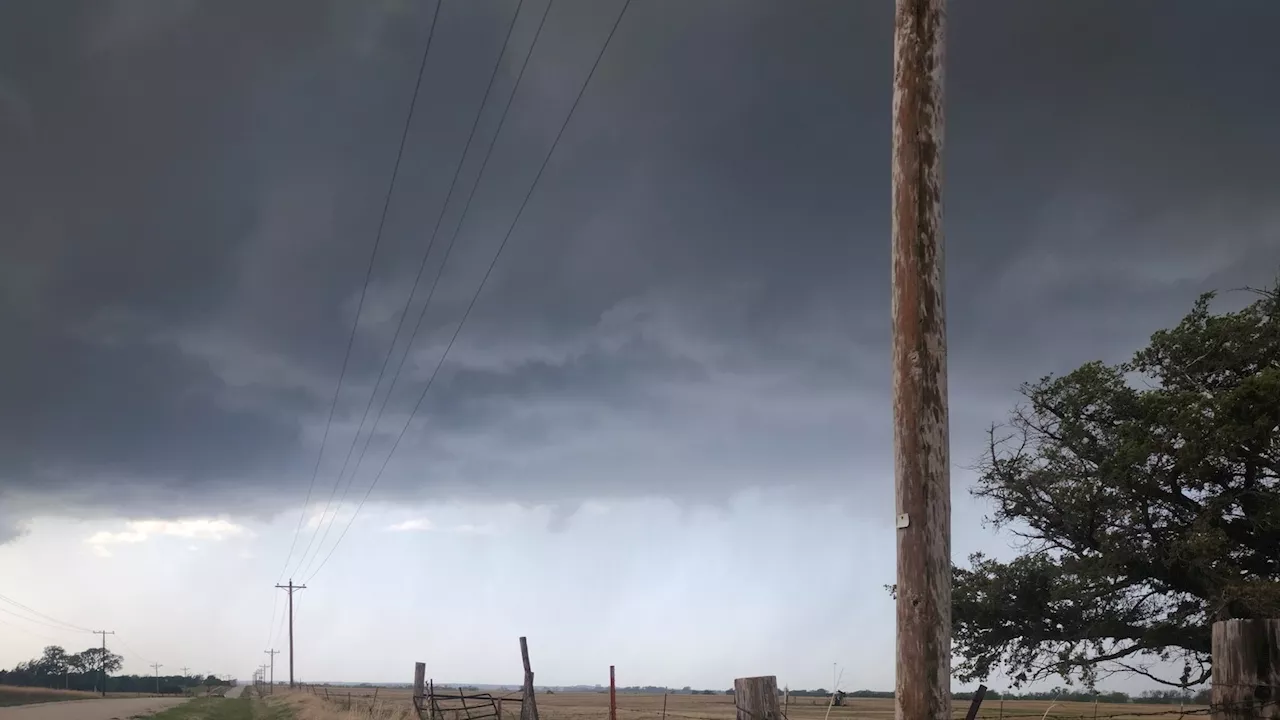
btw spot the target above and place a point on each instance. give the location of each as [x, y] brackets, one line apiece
[271, 623]
[26, 631]
[303, 564]
[488, 272]
[368, 275]
[116, 640]
[448, 251]
[64, 625]
[466, 208]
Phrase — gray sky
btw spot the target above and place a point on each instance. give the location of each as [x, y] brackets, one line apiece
[667, 416]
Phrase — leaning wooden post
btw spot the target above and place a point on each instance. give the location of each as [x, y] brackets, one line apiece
[756, 698]
[528, 708]
[1246, 670]
[976, 703]
[613, 697]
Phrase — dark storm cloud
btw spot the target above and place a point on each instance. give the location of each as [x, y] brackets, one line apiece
[696, 297]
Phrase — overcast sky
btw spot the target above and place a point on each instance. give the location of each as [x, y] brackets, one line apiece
[662, 440]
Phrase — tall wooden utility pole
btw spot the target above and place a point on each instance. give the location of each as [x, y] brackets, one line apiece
[613, 697]
[102, 667]
[273, 654]
[290, 588]
[157, 667]
[920, 423]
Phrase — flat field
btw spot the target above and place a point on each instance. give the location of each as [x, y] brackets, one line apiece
[636, 706]
[14, 695]
[11, 695]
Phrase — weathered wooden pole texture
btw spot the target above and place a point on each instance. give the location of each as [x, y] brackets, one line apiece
[1246, 670]
[528, 708]
[419, 679]
[756, 698]
[613, 697]
[921, 436]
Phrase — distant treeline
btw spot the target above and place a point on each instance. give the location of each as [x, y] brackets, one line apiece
[58, 669]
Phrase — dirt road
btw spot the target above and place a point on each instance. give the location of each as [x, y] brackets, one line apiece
[235, 691]
[104, 709]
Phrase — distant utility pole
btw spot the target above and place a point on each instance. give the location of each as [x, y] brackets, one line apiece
[102, 666]
[157, 666]
[921, 450]
[273, 654]
[291, 588]
[184, 671]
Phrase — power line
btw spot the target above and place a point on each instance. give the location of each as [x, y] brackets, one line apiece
[39, 614]
[129, 649]
[422, 266]
[368, 275]
[488, 272]
[448, 251]
[36, 635]
[279, 627]
[271, 622]
[41, 623]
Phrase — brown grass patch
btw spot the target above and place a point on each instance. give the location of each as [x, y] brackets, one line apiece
[396, 704]
[17, 695]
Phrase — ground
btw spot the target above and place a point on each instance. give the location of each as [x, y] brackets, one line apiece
[333, 703]
[96, 709]
[595, 706]
[14, 695]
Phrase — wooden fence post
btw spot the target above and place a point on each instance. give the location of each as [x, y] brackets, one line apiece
[976, 703]
[756, 698]
[528, 708]
[664, 705]
[613, 697]
[1246, 670]
[419, 679]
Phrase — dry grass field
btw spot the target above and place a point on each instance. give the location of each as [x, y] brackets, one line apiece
[13, 695]
[595, 706]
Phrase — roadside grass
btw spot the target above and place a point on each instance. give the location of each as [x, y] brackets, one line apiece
[219, 708]
[15, 695]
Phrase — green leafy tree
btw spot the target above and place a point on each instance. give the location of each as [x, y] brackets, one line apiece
[1147, 499]
[98, 659]
[79, 664]
[53, 661]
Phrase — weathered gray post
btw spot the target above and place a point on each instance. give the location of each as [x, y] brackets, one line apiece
[1246, 670]
[756, 698]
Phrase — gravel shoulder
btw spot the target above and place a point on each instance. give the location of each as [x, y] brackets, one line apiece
[100, 709]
